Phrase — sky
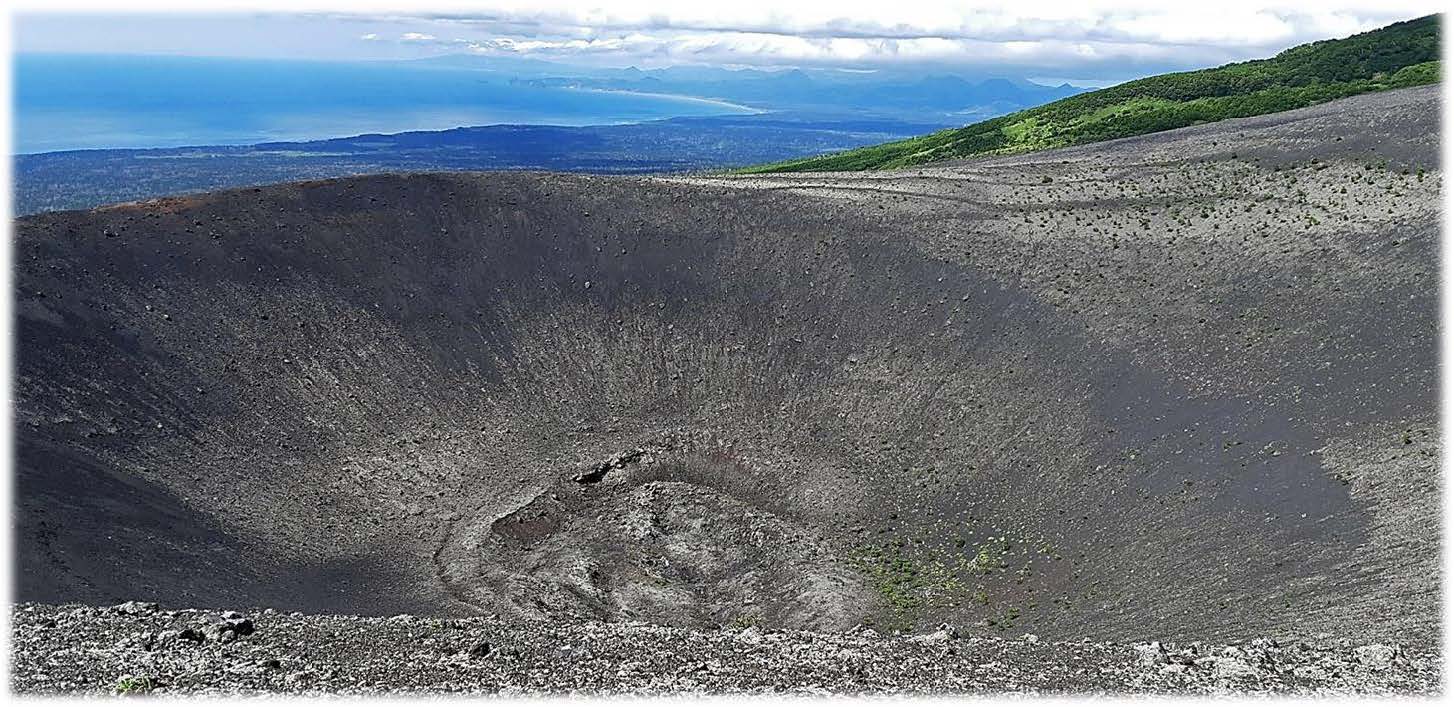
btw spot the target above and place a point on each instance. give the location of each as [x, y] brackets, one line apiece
[1089, 42]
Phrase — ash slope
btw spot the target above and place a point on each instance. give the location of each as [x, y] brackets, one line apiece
[1179, 387]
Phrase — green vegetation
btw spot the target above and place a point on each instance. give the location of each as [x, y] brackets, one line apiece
[131, 685]
[1004, 620]
[990, 556]
[910, 576]
[906, 583]
[1397, 56]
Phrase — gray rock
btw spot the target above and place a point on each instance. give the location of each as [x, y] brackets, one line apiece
[480, 649]
[231, 627]
[751, 634]
[944, 634]
[179, 636]
[1377, 656]
[1224, 667]
[136, 608]
[1150, 653]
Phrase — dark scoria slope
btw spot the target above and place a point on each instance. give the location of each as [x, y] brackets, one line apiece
[1175, 387]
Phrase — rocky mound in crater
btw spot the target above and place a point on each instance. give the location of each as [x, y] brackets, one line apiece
[1177, 387]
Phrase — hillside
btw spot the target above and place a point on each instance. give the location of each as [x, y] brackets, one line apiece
[1400, 55]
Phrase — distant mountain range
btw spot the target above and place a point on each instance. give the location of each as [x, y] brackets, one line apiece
[1400, 55]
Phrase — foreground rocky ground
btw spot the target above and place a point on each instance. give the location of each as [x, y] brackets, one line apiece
[141, 648]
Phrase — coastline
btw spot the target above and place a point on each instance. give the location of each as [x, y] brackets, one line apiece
[745, 109]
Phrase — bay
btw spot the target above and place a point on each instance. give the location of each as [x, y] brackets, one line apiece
[73, 102]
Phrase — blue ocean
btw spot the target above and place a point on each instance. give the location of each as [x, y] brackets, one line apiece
[71, 102]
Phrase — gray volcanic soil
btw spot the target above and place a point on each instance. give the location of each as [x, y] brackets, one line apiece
[1179, 387]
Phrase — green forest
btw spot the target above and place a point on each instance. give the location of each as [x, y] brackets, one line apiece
[1397, 56]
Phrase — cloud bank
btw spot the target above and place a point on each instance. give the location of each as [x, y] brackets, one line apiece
[1056, 37]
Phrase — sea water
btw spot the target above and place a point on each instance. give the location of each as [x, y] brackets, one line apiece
[70, 102]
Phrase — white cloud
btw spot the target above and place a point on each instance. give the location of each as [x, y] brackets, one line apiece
[1227, 21]
[1050, 36]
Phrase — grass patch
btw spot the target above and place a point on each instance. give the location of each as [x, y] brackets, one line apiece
[907, 581]
[135, 685]
[911, 578]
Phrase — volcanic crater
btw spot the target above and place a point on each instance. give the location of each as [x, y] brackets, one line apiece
[1180, 386]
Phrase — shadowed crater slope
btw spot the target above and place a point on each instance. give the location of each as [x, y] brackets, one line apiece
[1180, 386]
